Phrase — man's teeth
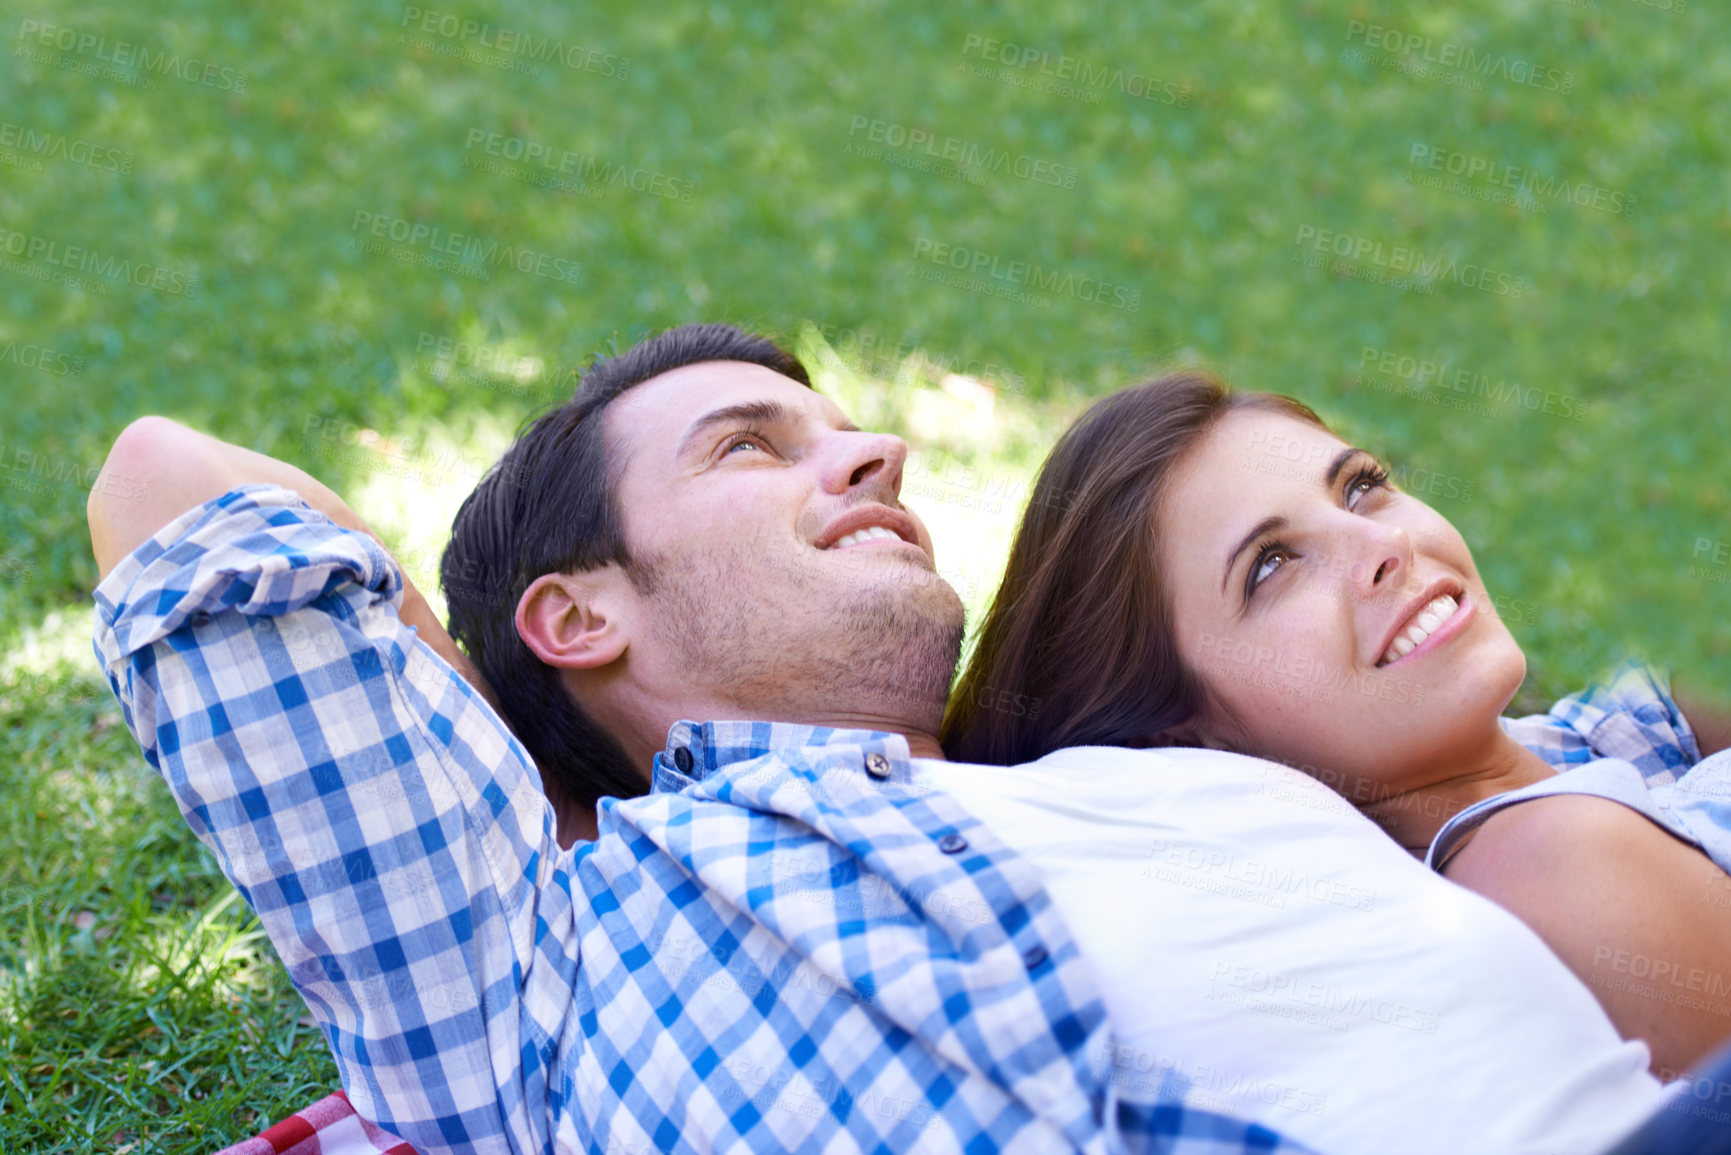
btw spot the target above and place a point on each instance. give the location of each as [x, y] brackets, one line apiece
[869, 533]
[1425, 624]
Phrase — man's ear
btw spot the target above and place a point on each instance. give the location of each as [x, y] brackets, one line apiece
[566, 619]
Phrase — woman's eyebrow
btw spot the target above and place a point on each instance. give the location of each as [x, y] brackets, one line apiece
[1339, 463]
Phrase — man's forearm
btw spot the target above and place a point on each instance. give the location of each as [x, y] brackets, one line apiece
[181, 468]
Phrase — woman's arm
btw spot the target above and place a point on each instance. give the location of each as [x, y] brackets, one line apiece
[1629, 908]
[169, 469]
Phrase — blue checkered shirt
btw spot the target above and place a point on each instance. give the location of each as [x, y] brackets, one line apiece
[785, 945]
[1630, 714]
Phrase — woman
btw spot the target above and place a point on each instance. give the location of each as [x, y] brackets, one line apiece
[1224, 571]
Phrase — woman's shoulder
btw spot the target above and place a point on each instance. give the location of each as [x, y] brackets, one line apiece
[1580, 839]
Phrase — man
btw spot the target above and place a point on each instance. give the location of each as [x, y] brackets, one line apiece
[788, 934]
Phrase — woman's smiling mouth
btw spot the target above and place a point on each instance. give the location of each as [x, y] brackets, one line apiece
[1438, 620]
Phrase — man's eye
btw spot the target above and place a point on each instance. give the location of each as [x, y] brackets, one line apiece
[754, 440]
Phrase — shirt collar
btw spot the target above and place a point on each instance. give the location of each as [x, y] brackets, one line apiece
[696, 750]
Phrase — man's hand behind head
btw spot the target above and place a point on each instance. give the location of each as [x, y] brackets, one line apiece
[158, 469]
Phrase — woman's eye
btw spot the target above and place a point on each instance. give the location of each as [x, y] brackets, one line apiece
[1265, 565]
[1366, 482]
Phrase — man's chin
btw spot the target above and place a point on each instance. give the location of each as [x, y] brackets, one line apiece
[927, 593]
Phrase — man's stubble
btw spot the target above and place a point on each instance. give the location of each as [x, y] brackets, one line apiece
[780, 640]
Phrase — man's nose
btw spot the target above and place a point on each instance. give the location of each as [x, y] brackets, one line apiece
[865, 459]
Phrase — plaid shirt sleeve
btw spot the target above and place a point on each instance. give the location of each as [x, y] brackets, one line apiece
[1630, 714]
[387, 829]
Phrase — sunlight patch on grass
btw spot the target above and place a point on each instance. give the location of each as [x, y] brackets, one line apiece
[215, 949]
[58, 644]
[415, 484]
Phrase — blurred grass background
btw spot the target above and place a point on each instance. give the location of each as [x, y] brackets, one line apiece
[752, 166]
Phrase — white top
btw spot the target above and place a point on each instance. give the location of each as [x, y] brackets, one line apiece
[1258, 939]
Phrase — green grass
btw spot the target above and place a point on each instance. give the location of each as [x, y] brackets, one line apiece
[141, 1003]
[165, 1023]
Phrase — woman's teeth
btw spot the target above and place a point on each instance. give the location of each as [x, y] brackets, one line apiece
[1422, 627]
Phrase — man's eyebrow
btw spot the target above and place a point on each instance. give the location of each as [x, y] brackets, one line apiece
[746, 412]
[1270, 524]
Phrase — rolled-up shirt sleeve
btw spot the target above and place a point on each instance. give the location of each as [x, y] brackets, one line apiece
[373, 810]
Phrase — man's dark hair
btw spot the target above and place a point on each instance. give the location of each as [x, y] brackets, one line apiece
[549, 506]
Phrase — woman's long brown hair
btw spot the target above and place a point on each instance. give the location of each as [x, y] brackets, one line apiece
[1078, 647]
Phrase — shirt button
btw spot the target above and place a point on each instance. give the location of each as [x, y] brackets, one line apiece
[199, 618]
[1033, 956]
[952, 844]
[877, 766]
[682, 759]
